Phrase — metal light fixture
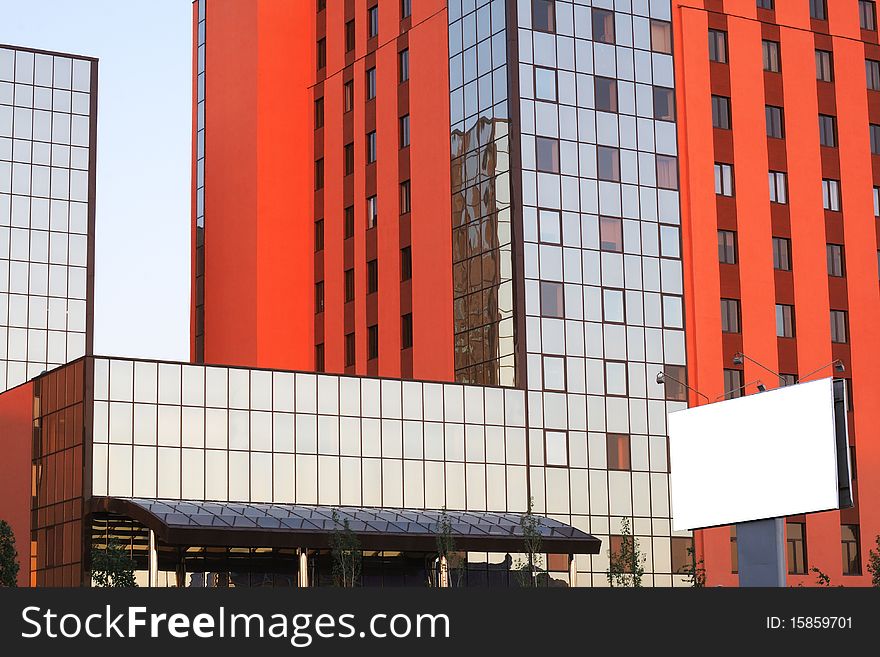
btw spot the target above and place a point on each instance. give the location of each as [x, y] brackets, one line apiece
[739, 358]
[663, 376]
[837, 364]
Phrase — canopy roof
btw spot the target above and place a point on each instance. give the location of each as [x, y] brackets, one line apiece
[235, 524]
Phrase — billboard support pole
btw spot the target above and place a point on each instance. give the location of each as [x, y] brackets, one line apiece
[760, 551]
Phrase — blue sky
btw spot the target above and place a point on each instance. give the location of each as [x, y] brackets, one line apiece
[144, 145]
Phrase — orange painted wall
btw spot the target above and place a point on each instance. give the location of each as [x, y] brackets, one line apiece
[260, 207]
[16, 441]
[432, 240]
[754, 223]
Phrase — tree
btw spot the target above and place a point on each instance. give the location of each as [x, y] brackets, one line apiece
[8, 556]
[449, 558]
[626, 566]
[347, 554]
[529, 523]
[821, 578]
[874, 563]
[695, 571]
[112, 566]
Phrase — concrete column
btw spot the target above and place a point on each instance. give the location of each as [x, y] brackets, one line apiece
[760, 551]
[444, 573]
[153, 562]
[303, 568]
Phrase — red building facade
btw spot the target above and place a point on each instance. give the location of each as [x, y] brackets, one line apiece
[309, 118]
[793, 264]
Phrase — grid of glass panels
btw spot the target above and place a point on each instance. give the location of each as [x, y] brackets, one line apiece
[480, 151]
[200, 188]
[603, 288]
[178, 431]
[45, 135]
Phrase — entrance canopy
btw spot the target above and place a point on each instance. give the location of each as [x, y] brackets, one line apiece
[233, 524]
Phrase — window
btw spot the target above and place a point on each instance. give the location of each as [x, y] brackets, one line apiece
[609, 163]
[371, 83]
[556, 442]
[349, 36]
[771, 56]
[611, 234]
[406, 263]
[676, 378]
[835, 260]
[661, 36]
[877, 201]
[348, 159]
[664, 104]
[319, 235]
[777, 187]
[348, 221]
[818, 10]
[371, 147]
[550, 226]
[319, 113]
[349, 350]
[721, 112]
[603, 26]
[319, 173]
[827, 130]
[849, 534]
[730, 316]
[319, 357]
[547, 154]
[734, 556]
[718, 46]
[787, 379]
[544, 15]
[405, 197]
[606, 94]
[682, 554]
[618, 451]
[372, 212]
[405, 8]
[831, 195]
[551, 299]
[839, 327]
[406, 331]
[782, 253]
[404, 131]
[321, 55]
[874, 131]
[348, 96]
[349, 285]
[733, 384]
[667, 172]
[545, 83]
[322, 5]
[774, 121]
[872, 73]
[824, 69]
[319, 297]
[867, 15]
[796, 547]
[764, 4]
[403, 65]
[723, 179]
[727, 247]
[784, 320]
[372, 276]
[373, 21]
[373, 342]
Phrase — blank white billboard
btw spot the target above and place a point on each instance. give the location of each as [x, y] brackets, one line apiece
[762, 456]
